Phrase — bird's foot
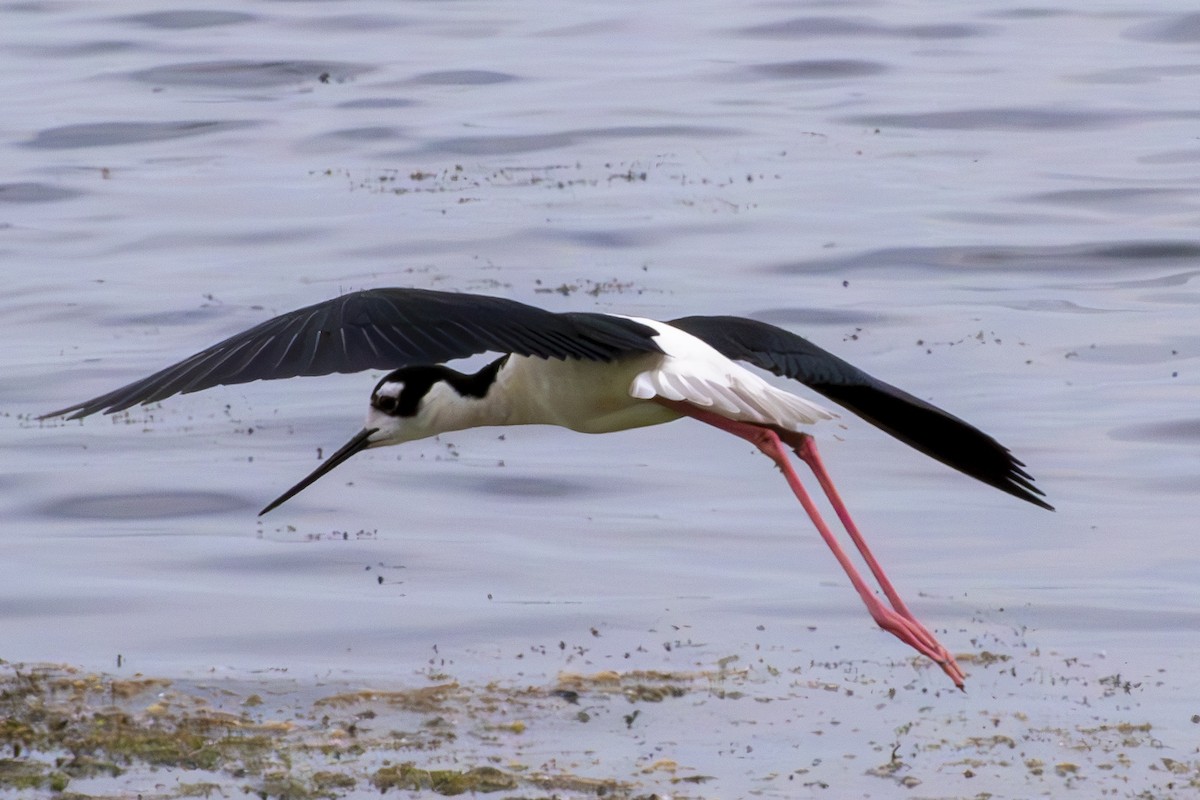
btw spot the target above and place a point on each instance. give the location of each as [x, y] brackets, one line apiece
[916, 636]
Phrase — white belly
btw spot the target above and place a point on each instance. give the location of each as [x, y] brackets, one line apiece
[585, 396]
[595, 397]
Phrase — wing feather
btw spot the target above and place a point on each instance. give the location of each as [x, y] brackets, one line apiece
[915, 422]
[381, 329]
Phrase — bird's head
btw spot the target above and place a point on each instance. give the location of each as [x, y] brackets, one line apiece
[413, 403]
[409, 404]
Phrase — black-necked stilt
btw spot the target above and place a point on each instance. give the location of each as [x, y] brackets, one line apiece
[593, 373]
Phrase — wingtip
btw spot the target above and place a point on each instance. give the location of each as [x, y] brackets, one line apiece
[65, 414]
[79, 411]
[1022, 488]
[1020, 484]
[1037, 501]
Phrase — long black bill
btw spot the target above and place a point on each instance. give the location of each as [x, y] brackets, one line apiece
[360, 442]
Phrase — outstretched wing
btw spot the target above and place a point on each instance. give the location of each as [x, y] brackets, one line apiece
[382, 329]
[913, 421]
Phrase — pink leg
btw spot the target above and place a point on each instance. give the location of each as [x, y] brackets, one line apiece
[806, 448]
[897, 619]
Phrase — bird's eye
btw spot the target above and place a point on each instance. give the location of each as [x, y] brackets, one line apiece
[385, 403]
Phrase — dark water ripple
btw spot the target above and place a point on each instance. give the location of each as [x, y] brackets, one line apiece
[507, 145]
[464, 77]
[1184, 29]
[820, 69]
[82, 49]
[162, 319]
[1127, 198]
[1098, 256]
[1177, 431]
[246, 74]
[145, 505]
[605, 239]
[1139, 75]
[372, 133]
[104, 134]
[1014, 118]
[378, 102]
[184, 19]
[1157, 282]
[1171, 157]
[508, 486]
[66, 605]
[501, 145]
[530, 487]
[35, 193]
[823, 27]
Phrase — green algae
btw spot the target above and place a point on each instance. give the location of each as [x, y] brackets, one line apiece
[78, 734]
[442, 781]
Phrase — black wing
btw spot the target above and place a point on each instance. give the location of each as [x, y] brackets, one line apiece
[911, 420]
[382, 329]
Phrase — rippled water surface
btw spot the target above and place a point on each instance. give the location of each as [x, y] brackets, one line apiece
[994, 206]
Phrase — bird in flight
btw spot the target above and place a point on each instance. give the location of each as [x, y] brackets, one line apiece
[593, 373]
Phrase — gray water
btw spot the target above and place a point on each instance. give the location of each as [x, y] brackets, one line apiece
[994, 206]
